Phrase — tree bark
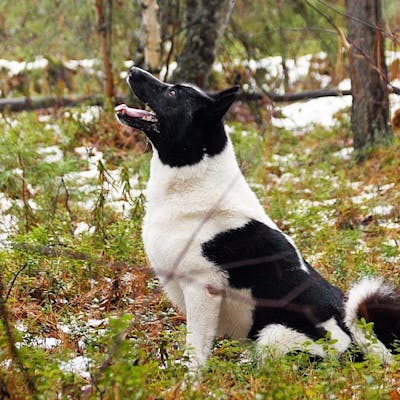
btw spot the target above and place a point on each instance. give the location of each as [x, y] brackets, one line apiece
[206, 21]
[148, 53]
[368, 73]
[104, 28]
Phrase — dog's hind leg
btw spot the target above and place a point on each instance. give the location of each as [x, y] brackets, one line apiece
[202, 304]
[277, 340]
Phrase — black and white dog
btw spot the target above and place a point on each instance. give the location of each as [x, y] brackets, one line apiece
[221, 260]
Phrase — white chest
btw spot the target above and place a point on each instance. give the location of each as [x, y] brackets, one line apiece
[187, 207]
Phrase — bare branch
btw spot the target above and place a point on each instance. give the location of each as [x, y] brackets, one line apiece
[13, 282]
[288, 97]
[389, 35]
[108, 360]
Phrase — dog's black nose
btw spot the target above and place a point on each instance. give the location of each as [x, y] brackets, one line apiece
[136, 74]
[132, 70]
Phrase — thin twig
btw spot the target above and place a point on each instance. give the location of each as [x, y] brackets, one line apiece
[108, 360]
[389, 35]
[349, 45]
[330, 22]
[68, 208]
[13, 281]
[27, 379]
[24, 189]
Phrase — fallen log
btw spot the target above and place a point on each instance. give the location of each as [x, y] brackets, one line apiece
[288, 97]
[38, 102]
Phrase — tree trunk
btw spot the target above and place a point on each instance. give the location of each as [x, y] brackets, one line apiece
[104, 28]
[148, 52]
[206, 21]
[283, 47]
[368, 73]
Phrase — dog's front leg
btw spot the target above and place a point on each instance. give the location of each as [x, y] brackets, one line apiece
[203, 303]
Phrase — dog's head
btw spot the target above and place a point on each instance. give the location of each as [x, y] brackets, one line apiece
[186, 122]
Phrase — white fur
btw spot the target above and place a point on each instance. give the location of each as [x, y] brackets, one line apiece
[236, 313]
[357, 294]
[186, 207]
[341, 340]
[278, 340]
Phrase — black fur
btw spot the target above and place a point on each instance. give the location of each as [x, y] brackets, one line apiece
[260, 258]
[383, 309]
[189, 121]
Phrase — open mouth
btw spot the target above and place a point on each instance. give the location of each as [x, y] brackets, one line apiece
[140, 119]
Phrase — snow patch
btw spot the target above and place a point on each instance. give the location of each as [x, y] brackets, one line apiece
[8, 222]
[114, 188]
[64, 328]
[316, 111]
[51, 154]
[43, 343]
[16, 67]
[53, 128]
[88, 204]
[20, 326]
[94, 323]
[89, 116]
[394, 100]
[122, 207]
[370, 192]
[345, 84]
[79, 365]
[5, 203]
[90, 66]
[296, 68]
[382, 210]
[392, 243]
[91, 155]
[83, 228]
[389, 224]
[283, 161]
[363, 197]
[345, 154]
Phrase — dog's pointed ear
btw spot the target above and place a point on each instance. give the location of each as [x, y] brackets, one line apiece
[223, 100]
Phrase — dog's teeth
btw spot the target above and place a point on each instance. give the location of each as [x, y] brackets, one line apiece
[149, 118]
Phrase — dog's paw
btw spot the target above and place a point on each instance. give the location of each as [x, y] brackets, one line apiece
[192, 380]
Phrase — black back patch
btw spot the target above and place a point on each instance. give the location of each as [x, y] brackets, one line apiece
[261, 259]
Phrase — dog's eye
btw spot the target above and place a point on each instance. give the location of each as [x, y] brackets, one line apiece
[172, 93]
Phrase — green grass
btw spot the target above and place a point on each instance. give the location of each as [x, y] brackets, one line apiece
[95, 292]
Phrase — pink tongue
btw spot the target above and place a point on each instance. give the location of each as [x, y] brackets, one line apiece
[131, 112]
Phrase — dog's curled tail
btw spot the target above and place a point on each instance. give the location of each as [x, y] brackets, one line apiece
[379, 303]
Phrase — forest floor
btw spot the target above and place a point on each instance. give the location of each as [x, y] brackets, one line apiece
[82, 314]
